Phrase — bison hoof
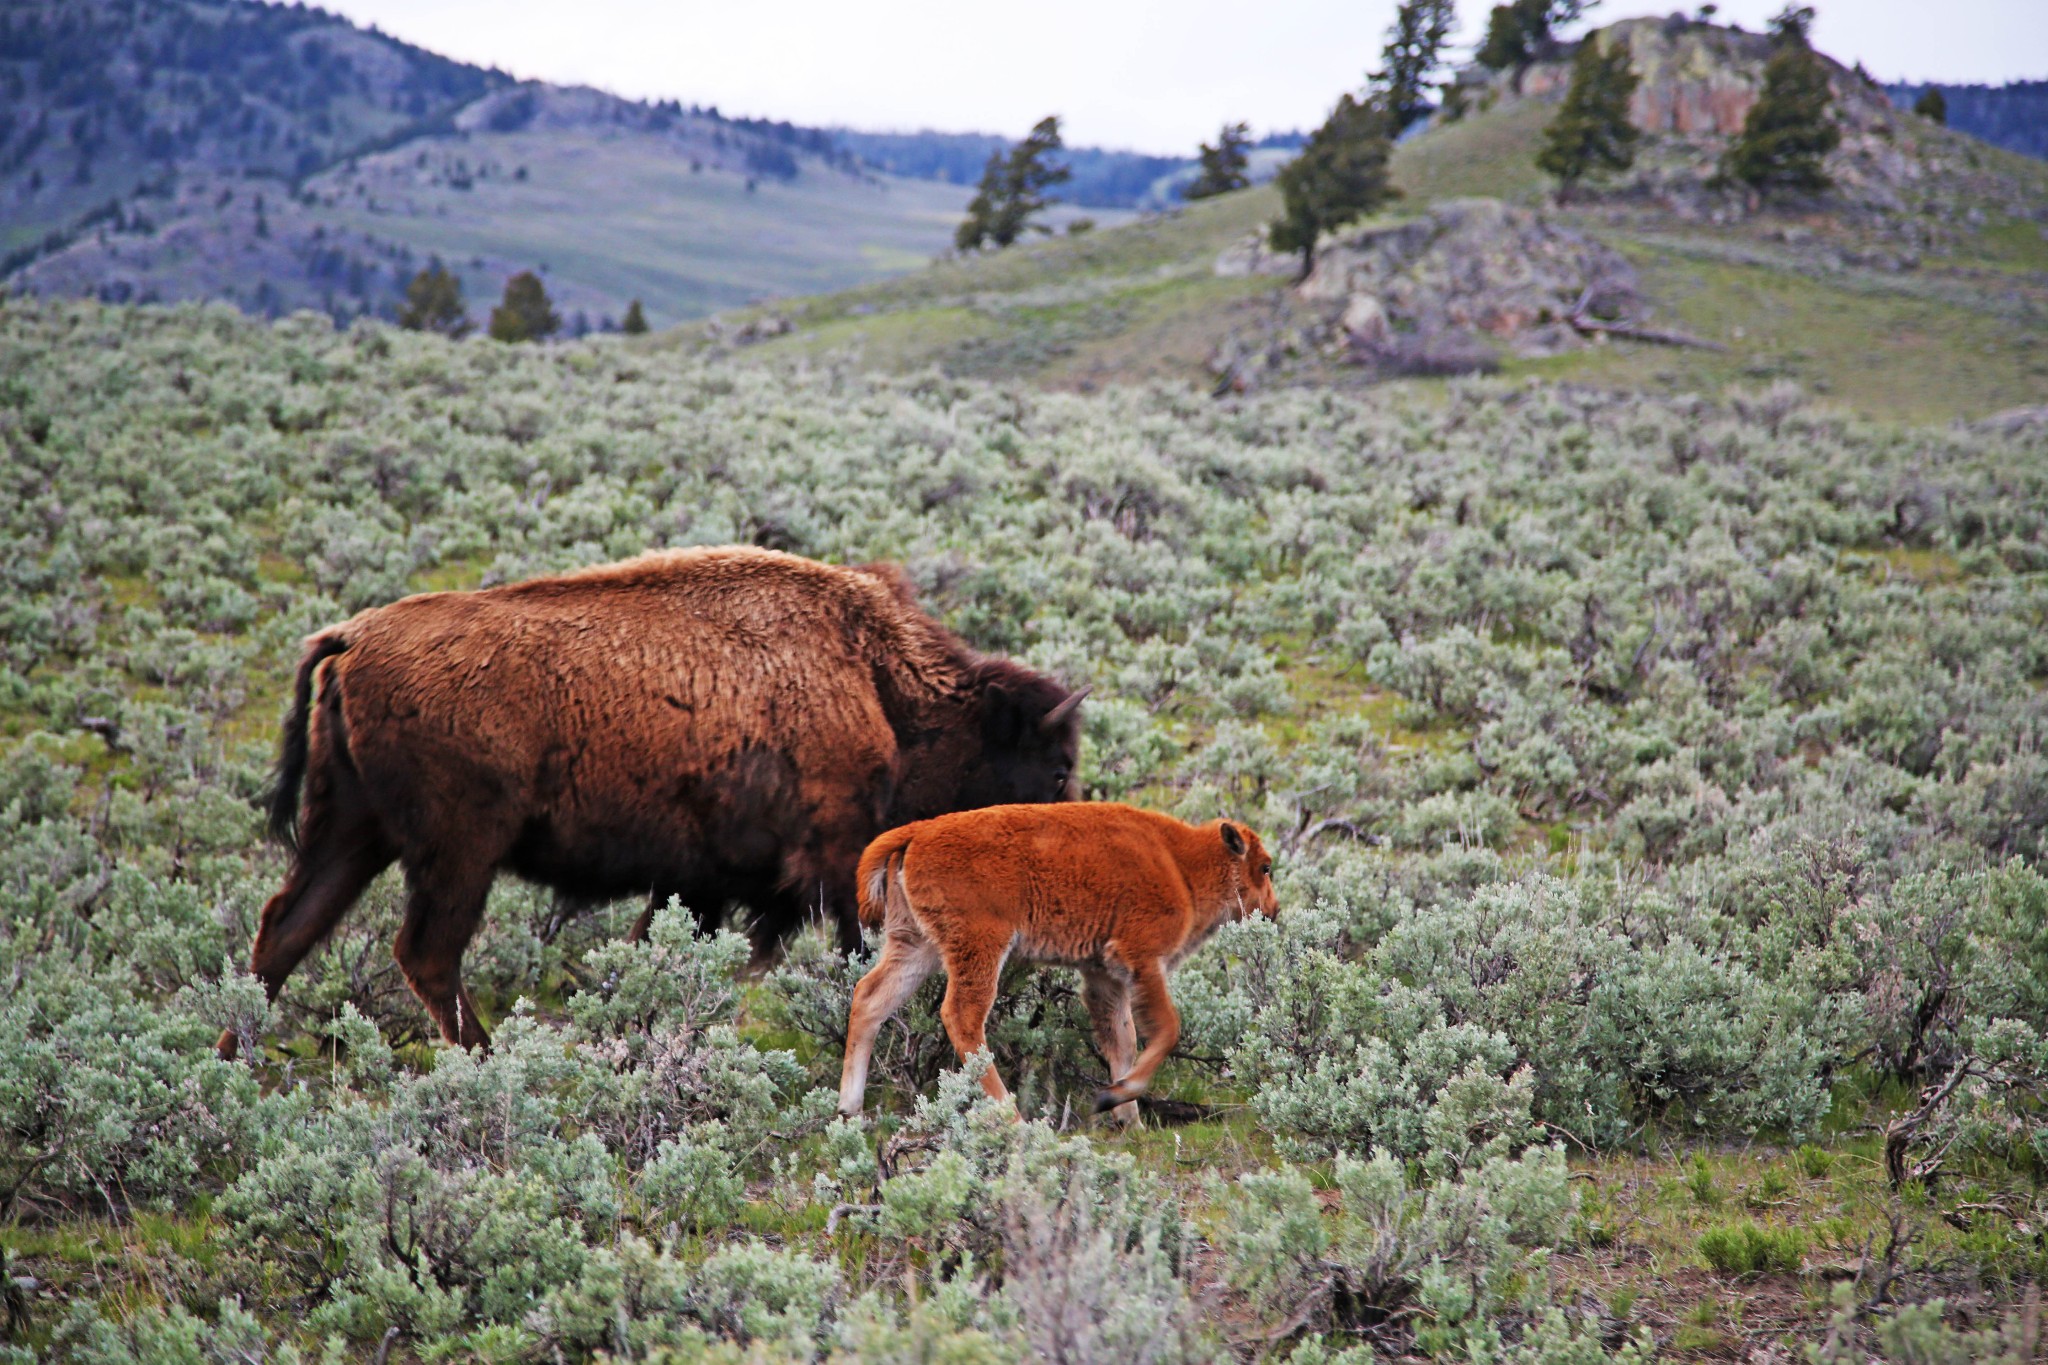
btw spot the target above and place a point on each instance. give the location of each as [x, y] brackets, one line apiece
[1106, 1100]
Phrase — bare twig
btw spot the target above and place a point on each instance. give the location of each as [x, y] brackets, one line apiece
[840, 1211]
[1586, 325]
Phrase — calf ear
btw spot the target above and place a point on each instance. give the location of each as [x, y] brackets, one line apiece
[1233, 840]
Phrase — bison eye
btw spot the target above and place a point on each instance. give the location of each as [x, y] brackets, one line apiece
[1265, 869]
[1059, 782]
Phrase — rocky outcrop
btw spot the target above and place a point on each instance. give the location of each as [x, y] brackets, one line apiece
[1697, 84]
[1446, 291]
[1477, 267]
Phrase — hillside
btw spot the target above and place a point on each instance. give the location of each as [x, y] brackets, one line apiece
[101, 97]
[610, 200]
[1919, 287]
[1655, 783]
[281, 158]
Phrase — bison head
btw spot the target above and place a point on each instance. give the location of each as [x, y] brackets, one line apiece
[1030, 742]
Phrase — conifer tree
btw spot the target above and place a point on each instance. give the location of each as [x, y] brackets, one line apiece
[1414, 51]
[1225, 166]
[433, 302]
[526, 314]
[1791, 128]
[1592, 131]
[636, 320]
[1012, 190]
[1522, 32]
[1932, 105]
[1340, 175]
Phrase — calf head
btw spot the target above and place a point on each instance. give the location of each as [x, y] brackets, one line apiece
[1251, 871]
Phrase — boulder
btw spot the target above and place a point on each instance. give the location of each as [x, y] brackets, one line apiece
[1365, 322]
[1472, 266]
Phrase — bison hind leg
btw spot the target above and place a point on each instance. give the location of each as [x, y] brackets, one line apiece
[442, 911]
[341, 849]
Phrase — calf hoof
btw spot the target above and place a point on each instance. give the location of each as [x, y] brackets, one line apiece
[1106, 1100]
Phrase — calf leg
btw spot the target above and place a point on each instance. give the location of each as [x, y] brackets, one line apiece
[1159, 1022]
[442, 912]
[971, 974]
[341, 851]
[908, 957]
[1116, 1037]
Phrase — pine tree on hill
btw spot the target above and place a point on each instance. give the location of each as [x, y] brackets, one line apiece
[1791, 128]
[636, 320]
[1932, 105]
[1523, 32]
[526, 314]
[1592, 131]
[1012, 190]
[1414, 50]
[1225, 166]
[1339, 176]
[433, 303]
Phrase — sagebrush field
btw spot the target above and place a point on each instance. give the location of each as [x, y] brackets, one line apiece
[1657, 786]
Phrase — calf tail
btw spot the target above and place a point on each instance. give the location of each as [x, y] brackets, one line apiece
[883, 857]
[291, 749]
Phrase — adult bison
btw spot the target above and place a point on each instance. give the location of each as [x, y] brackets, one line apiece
[714, 724]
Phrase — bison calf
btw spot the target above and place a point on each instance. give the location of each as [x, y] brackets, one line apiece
[1121, 893]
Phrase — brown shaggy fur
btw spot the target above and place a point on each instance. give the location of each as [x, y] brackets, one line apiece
[723, 724]
[1123, 894]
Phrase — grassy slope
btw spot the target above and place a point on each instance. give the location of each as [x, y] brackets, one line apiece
[1960, 336]
[622, 215]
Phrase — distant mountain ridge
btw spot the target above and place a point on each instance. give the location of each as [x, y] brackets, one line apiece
[280, 157]
[2013, 116]
[97, 96]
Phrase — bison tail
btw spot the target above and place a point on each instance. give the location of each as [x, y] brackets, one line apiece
[291, 749]
[883, 857]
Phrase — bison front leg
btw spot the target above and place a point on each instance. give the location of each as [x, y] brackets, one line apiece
[705, 903]
[1116, 1037]
[1158, 1021]
[442, 910]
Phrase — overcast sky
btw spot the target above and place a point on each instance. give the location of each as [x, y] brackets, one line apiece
[1154, 75]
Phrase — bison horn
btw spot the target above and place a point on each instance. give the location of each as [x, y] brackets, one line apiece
[1058, 715]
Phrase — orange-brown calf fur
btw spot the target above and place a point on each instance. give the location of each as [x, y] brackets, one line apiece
[1121, 893]
[716, 725]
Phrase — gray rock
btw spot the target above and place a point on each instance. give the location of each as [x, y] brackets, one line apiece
[1472, 267]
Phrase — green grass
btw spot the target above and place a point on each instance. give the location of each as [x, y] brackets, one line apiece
[620, 215]
[1752, 1249]
[1878, 354]
[1491, 155]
